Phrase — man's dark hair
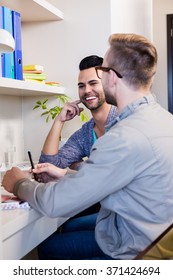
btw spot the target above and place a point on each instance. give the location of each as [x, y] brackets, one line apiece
[90, 61]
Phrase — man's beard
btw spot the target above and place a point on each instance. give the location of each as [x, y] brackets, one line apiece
[94, 107]
[110, 99]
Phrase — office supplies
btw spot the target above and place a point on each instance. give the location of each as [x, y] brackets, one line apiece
[34, 76]
[56, 84]
[18, 70]
[7, 58]
[33, 67]
[6, 42]
[33, 71]
[32, 164]
[1, 26]
[9, 202]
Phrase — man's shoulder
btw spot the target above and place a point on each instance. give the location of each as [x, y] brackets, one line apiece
[85, 129]
[88, 125]
[114, 110]
[112, 114]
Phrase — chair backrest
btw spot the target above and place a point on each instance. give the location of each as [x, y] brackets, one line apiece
[160, 249]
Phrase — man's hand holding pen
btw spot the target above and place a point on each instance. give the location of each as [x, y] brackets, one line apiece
[45, 172]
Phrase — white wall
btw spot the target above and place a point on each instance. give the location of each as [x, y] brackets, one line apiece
[60, 46]
[11, 130]
[132, 16]
[160, 10]
[147, 17]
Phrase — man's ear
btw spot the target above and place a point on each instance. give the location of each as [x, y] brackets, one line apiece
[112, 78]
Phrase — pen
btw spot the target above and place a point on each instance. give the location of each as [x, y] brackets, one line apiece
[32, 164]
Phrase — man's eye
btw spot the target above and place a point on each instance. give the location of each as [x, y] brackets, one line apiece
[93, 83]
[81, 86]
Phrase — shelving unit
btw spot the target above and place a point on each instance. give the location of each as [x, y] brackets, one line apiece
[31, 11]
[27, 88]
[34, 10]
[16, 105]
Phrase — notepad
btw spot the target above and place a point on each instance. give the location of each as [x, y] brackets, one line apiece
[33, 67]
[9, 202]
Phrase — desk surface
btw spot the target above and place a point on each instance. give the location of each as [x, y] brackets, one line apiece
[22, 230]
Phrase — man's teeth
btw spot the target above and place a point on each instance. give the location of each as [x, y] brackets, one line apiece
[90, 97]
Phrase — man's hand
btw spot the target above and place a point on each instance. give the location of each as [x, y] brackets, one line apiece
[12, 176]
[47, 172]
[69, 111]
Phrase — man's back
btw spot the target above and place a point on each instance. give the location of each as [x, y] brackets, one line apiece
[144, 206]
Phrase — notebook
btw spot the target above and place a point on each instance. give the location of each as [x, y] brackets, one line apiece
[9, 201]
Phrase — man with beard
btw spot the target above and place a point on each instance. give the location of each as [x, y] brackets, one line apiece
[78, 146]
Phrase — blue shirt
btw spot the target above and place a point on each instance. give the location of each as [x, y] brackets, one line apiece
[78, 145]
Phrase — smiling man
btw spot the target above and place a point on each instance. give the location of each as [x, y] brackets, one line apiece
[79, 145]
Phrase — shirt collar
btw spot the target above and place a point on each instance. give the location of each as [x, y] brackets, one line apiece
[129, 109]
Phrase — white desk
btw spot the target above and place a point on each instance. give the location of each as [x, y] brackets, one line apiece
[22, 230]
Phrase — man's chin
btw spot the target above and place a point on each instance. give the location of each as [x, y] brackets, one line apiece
[91, 106]
[94, 108]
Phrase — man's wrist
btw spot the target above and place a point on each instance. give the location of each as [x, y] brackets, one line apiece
[17, 184]
[58, 120]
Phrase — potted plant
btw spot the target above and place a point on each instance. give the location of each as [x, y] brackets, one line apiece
[54, 111]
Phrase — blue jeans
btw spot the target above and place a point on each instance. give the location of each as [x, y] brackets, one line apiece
[80, 223]
[75, 242]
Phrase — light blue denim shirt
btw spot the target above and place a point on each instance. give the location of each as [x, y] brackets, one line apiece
[130, 171]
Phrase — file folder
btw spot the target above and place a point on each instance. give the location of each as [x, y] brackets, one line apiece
[8, 58]
[18, 69]
[1, 55]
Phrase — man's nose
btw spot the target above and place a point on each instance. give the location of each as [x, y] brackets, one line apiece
[88, 88]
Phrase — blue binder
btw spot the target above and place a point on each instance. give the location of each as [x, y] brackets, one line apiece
[1, 55]
[16, 21]
[8, 58]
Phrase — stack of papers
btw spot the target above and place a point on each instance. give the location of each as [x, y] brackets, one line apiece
[9, 201]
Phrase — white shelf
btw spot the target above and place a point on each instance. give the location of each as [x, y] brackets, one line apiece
[34, 10]
[31, 11]
[27, 88]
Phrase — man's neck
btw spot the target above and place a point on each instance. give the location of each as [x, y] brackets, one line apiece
[100, 118]
[128, 96]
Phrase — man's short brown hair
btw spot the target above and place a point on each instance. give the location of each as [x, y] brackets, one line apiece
[134, 57]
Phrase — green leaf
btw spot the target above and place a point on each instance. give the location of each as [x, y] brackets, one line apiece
[44, 107]
[45, 113]
[45, 100]
[38, 102]
[36, 106]
[54, 116]
[84, 117]
[63, 98]
[54, 111]
[47, 119]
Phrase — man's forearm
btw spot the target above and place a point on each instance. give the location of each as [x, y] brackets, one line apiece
[51, 145]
